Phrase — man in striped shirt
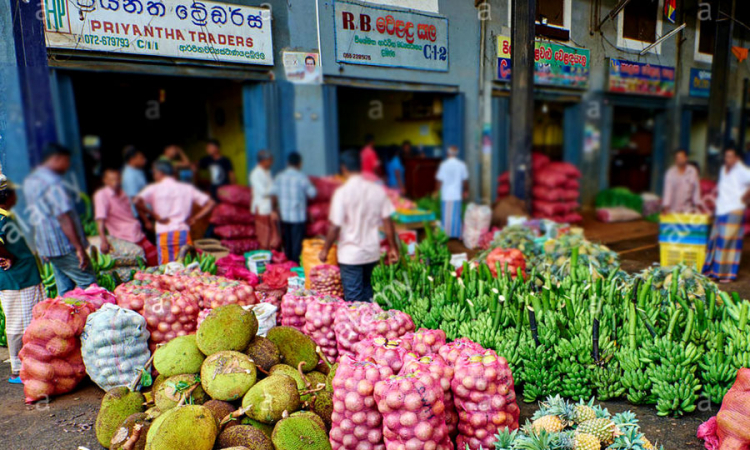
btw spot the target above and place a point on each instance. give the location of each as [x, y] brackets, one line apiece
[290, 192]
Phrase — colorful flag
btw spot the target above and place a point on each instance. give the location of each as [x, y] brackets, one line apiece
[670, 10]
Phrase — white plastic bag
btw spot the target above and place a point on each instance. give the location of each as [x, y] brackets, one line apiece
[266, 315]
[476, 222]
[114, 346]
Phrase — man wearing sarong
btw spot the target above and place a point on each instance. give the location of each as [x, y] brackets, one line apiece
[171, 206]
[725, 246]
[452, 180]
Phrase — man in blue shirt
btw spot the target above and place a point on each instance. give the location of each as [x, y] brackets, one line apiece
[58, 234]
[133, 177]
[290, 192]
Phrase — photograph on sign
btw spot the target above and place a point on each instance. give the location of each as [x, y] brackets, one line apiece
[380, 36]
[302, 67]
[203, 30]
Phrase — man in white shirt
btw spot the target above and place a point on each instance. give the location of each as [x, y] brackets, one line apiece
[358, 208]
[725, 246]
[266, 221]
[453, 183]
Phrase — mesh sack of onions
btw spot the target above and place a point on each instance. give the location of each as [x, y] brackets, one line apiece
[134, 298]
[356, 422]
[383, 351]
[348, 325]
[461, 346]
[424, 342]
[228, 293]
[266, 294]
[319, 324]
[325, 279]
[201, 317]
[294, 306]
[390, 324]
[485, 399]
[413, 412]
[170, 315]
[436, 366]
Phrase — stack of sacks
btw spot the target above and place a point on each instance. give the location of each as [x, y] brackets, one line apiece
[556, 191]
[503, 185]
[232, 220]
[317, 209]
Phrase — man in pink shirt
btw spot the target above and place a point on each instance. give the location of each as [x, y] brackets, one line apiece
[358, 208]
[682, 191]
[171, 205]
[113, 214]
[370, 161]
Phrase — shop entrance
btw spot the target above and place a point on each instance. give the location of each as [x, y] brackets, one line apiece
[632, 148]
[150, 112]
[549, 122]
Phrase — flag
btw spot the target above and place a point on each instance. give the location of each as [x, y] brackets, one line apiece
[670, 10]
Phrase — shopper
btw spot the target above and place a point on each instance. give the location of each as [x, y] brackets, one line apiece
[219, 168]
[183, 168]
[370, 161]
[266, 220]
[169, 203]
[133, 177]
[682, 191]
[358, 208]
[113, 214]
[290, 192]
[725, 245]
[452, 180]
[20, 282]
[394, 170]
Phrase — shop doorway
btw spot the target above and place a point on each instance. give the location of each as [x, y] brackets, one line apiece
[632, 148]
[150, 112]
[698, 138]
[548, 135]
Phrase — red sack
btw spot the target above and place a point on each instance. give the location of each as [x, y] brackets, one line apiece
[318, 211]
[319, 228]
[235, 231]
[549, 178]
[325, 188]
[566, 169]
[240, 274]
[549, 208]
[733, 420]
[504, 178]
[235, 195]
[226, 214]
[93, 294]
[278, 257]
[539, 161]
[573, 184]
[570, 206]
[573, 217]
[240, 246]
[277, 277]
[545, 193]
[569, 195]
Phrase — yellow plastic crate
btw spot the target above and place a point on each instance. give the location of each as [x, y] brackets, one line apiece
[687, 219]
[688, 254]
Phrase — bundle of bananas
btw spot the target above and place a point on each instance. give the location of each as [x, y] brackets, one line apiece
[48, 280]
[3, 338]
[206, 261]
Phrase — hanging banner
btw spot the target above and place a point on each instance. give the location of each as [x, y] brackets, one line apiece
[379, 36]
[700, 83]
[629, 77]
[169, 28]
[556, 65]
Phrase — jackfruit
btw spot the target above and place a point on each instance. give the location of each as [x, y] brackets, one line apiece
[316, 379]
[322, 405]
[244, 436]
[178, 356]
[292, 372]
[221, 409]
[270, 398]
[295, 347]
[264, 427]
[189, 426]
[228, 375]
[312, 416]
[300, 433]
[174, 388]
[135, 428]
[329, 378]
[263, 352]
[227, 327]
[117, 405]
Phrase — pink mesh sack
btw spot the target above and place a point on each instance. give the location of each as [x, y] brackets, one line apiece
[436, 366]
[348, 324]
[383, 351]
[319, 319]
[424, 342]
[293, 308]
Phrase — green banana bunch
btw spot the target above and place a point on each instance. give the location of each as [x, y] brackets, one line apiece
[103, 262]
[608, 381]
[576, 380]
[717, 375]
[48, 280]
[3, 337]
[207, 263]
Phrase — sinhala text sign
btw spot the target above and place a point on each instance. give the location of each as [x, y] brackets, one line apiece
[555, 65]
[381, 36]
[169, 28]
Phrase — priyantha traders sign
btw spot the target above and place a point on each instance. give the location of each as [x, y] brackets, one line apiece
[382, 36]
[170, 28]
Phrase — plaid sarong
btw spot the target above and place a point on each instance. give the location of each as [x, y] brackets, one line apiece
[451, 222]
[169, 245]
[725, 246]
[17, 306]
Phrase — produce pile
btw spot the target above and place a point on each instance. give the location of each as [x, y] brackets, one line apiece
[232, 220]
[556, 190]
[558, 256]
[317, 208]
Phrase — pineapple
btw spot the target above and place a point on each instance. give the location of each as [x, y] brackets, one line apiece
[586, 441]
[553, 416]
[603, 429]
[549, 423]
[647, 445]
[584, 411]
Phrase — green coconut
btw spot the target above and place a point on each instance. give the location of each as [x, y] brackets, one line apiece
[188, 426]
[244, 436]
[228, 375]
[300, 433]
[220, 409]
[227, 327]
[174, 388]
[134, 429]
[178, 356]
[118, 403]
[264, 427]
[322, 405]
[270, 398]
[263, 352]
[295, 347]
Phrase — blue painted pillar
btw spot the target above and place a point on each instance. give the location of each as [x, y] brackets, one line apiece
[331, 118]
[500, 137]
[658, 167]
[573, 133]
[453, 123]
[256, 121]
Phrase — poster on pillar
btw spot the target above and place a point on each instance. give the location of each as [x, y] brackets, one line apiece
[382, 36]
[555, 64]
[203, 30]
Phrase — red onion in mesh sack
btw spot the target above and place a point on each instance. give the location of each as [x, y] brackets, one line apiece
[485, 399]
[134, 298]
[391, 324]
[201, 317]
[413, 412]
[325, 279]
[348, 325]
[319, 324]
[424, 342]
[267, 294]
[383, 351]
[228, 293]
[453, 350]
[170, 315]
[436, 366]
[293, 308]
[356, 422]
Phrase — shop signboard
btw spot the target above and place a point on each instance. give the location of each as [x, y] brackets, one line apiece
[382, 36]
[190, 29]
[629, 77]
[421, 5]
[556, 65]
[700, 83]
